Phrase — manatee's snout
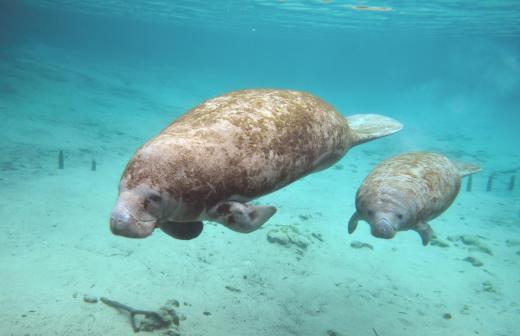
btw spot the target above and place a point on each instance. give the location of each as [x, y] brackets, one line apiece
[123, 223]
[383, 228]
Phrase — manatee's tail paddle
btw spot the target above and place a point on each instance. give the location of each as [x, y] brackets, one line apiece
[366, 127]
[466, 168]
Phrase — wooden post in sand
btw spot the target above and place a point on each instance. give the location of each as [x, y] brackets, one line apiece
[60, 160]
[489, 186]
[469, 185]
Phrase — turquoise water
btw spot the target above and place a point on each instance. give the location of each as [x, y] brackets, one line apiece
[96, 80]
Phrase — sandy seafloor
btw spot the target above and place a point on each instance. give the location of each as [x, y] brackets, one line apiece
[56, 245]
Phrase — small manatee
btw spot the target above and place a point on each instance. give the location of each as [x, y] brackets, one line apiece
[406, 191]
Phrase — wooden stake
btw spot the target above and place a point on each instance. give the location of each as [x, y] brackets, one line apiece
[60, 160]
[469, 185]
[489, 186]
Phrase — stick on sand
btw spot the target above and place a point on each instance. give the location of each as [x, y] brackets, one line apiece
[133, 312]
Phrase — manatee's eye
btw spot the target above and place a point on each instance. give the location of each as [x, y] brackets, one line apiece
[370, 212]
[399, 216]
[155, 198]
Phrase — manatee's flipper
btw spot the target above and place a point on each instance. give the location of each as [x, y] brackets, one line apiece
[240, 217]
[182, 230]
[466, 168]
[352, 223]
[425, 231]
[366, 127]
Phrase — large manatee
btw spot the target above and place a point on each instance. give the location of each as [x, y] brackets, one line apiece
[229, 150]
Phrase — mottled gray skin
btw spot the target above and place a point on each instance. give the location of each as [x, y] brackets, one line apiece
[406, 191]
[227, 151]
